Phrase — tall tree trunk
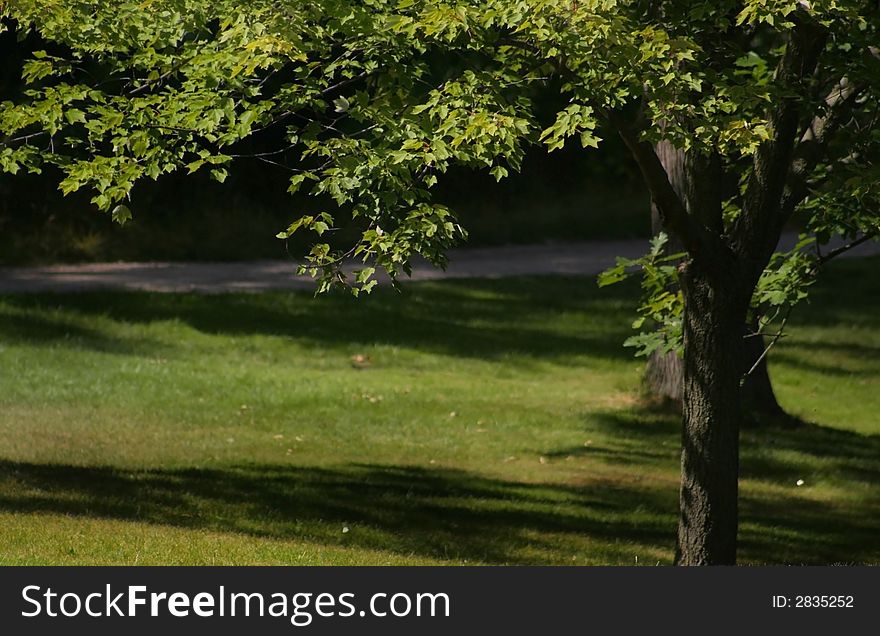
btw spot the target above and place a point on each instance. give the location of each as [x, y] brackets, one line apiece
[713, 345]
[663, 372]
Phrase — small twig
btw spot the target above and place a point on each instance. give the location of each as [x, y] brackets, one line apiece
[148, 84]
[820, 261]
[845, 248]
[264, 154]
[772, 343]
[280, 118]
[760, 333]
[24, 137]
[277, 164]
[345, 82]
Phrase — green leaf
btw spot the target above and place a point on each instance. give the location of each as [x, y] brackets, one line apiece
[341, 104]
[74, 116]
[121, 214]
[499, 172]
[363, 275]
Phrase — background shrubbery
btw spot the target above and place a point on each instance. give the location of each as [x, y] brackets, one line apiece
[569, 196]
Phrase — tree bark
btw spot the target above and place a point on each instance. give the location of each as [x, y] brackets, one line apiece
[713, 345]
[710, 371]
[663, 372]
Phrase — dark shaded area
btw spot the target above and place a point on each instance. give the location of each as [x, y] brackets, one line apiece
[798, 531]
[773, 528]
[847, 295]
[191, 217]
[473, 318]
[844, 454]
[52, 331]
[860, 359]
[645, 436]
[438, 513]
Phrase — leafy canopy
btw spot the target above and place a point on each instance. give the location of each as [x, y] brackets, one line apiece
[368, 101]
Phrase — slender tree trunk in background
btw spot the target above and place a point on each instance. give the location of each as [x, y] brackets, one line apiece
[708, 521]
[663, 372]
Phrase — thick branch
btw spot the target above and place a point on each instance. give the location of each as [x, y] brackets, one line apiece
[813, 143]
[757, 230]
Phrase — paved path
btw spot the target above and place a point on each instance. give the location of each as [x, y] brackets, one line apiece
[575, 259]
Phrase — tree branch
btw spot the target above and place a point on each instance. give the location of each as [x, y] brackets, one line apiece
[820, 261]
[814, 142]
[845, 248]
[756, 232]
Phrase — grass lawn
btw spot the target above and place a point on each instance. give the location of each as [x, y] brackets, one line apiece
[459, 422]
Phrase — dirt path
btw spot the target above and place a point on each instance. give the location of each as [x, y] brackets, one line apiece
[573, 259]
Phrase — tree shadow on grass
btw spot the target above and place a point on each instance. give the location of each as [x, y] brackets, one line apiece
[783, 455]
[58, 331]
[848, 293]
[805, 528]
[439, 513]
[800, 531]
[644, 438]
[837, 359]
[435, 513]
[775, 527]
[555, 318]
[454, 514]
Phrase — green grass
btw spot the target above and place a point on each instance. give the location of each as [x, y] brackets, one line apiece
[458, 422]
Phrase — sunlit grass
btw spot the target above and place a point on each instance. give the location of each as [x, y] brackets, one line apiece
[458, 422]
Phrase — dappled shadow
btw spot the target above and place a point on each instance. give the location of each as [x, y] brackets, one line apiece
[846, 295]
[801, 528]
[59, 330]
[775, 527]
[649, 436]
[801, 531]
[856, 358]
[436, 513]
[643, 437]
[455, 514]
[466, 318]
[772, 454]
[647, 423]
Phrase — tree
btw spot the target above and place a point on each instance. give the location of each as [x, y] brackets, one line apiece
[664, 370]
[774, 100]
